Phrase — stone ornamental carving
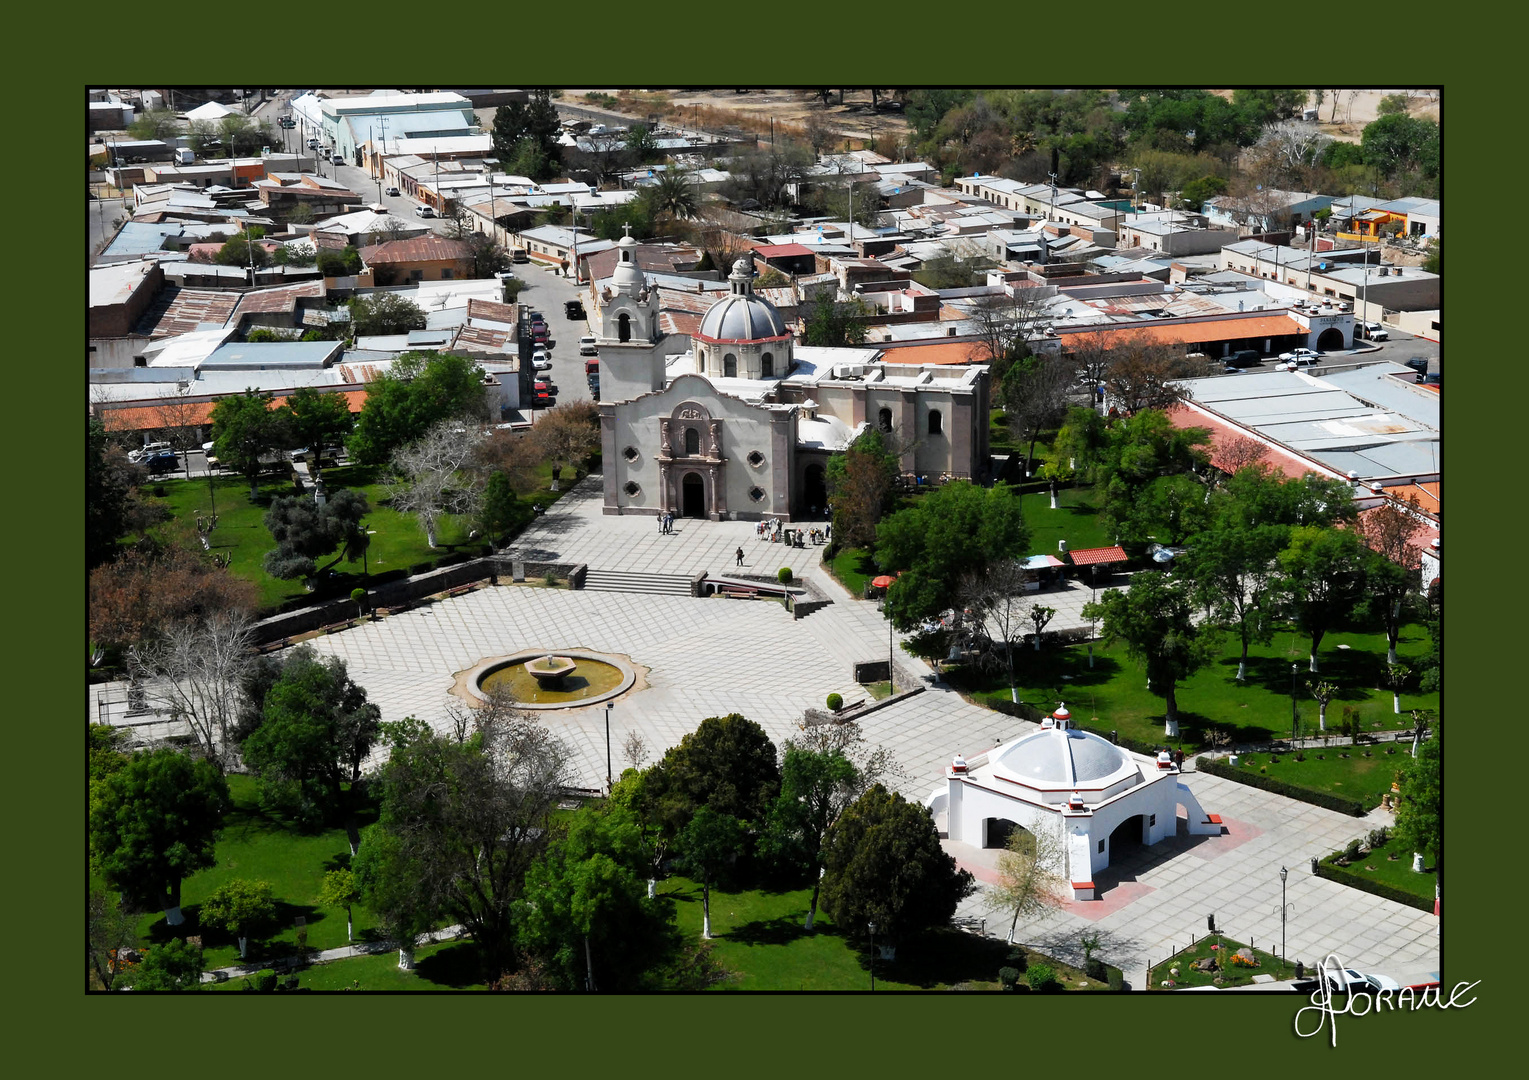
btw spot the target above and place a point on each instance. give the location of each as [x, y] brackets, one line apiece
[663, 435]
[715, 448]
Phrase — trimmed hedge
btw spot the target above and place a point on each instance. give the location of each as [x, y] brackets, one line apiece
[1341, 803]
[1116, 978]
[1344, 876]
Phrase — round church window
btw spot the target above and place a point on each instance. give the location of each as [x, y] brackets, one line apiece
[755, 458]
[630, 453]
[632, 487]
[757, 494]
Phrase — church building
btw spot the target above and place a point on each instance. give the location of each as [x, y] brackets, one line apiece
[736, 421]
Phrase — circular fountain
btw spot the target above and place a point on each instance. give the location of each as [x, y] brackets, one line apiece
[542, 680]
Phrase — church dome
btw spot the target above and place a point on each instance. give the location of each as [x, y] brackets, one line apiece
[1064, 758]
[742, 316]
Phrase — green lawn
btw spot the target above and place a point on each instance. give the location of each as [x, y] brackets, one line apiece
[1075, 520]
[259, 846]
[397, 541]
[1391, 864]
[1113, 695]
[758, 936]
[1341, 770]
[452, 966]
[853, 569]
[1233, 975]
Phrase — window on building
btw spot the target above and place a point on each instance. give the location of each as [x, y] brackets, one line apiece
[1152, 820]
[446, 273]
[692, 441]
[1101, 847]
[766, 365]
[623, 327]
[416, 275]
[631, 487]
[755, 458]
[884, 419]
[730, 366]
[630, 453]
[936, 423]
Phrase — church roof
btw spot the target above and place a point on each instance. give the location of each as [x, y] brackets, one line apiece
[1062, 758]
[743, 318]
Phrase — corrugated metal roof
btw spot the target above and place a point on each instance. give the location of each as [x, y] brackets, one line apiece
[427, 248]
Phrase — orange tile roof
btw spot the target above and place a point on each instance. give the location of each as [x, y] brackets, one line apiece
[934, 352]
[145, 417]
[1099, 556]
[1188, 333]
[1287, 462]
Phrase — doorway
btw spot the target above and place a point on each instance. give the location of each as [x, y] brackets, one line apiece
[692, 496]
[814, 490]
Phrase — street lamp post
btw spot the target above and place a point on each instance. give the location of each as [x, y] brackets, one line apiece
[608, 706]
[1294, 715]
[871, 926]
[1283, 873]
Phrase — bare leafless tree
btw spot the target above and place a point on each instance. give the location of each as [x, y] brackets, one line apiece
[634, 750]
[1008, 323]
[433, 478]
[178, 422]
[1031, 875]
[194, 672]
[996, 602]
[1237, 452]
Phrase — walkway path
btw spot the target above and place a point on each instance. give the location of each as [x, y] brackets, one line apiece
[345, 952]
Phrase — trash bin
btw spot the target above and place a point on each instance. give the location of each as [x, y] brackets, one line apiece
[1313, 864]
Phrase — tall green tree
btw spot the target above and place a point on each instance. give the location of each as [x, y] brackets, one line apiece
[305, 532]
[384, 314]
[1400, 143]
[174, 967]
[823, 771]
[525, 136]
[584, 909]
[1419, 811]
[501, 512]
[245, 431]
[316, 729]
[834, 324]
[1394, 570]
[419, 390]
[155, 822]
[1155, 619]
[727, 763]
[954, 529]
[390, 878]
[1137, 452]
[861, 486]
[108, 490]
[154, 124]
[884, 864]
[466, 820]
[340, 889]
[317, 420]
[1322, 578]
[245, 909]
[707, 846]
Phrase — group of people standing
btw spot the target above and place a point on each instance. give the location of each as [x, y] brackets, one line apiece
[666, 522]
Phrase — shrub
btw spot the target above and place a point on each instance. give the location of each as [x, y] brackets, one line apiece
[1368, 884]
[1040, 977]
[551, 580]
[1115, 977]
[265, 981]
[1094, 969]
[835, 702]
[1008, 976]
[1351, 852]
[783, 575]
[159, 491]
[1377, 838]
[1018, 958]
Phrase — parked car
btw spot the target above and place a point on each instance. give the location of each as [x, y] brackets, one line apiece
[1372, 331]
[149, 449]
[392, 191]
[594, 387]
[574, 309]
[337, 159]
[161, 461]
[1230, 370]
[541, 363]
[1300, 354]
[424, 211]
[1244, 358]
[1347, 981]
[314, 144]
[1300, 362]
[587, 346]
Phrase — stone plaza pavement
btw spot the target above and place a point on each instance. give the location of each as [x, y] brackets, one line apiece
[709, 657]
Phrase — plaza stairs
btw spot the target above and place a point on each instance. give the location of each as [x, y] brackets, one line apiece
[624, 582]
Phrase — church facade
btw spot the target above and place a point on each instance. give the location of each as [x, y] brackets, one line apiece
[735, 421]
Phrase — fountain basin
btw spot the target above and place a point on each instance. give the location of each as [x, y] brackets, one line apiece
[576, 678]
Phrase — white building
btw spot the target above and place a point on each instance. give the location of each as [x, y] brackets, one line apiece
[732, 421]
[1099, 796]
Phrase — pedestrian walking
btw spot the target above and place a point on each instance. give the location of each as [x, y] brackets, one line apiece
[740, 556]
[661, 518]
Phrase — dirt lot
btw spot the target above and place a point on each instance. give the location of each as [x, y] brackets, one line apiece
[754, 110]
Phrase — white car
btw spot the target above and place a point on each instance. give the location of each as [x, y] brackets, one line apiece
[1349, 981]
[148, 451]
[424, 211]
[588, 346]
[541, 363]
[1300, 354]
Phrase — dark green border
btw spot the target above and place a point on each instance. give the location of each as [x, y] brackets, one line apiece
[712, 44]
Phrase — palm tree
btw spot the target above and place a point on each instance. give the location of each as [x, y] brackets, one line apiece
[674, 195]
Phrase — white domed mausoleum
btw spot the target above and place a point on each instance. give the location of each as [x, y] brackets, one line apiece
[734, 421]
[1100, 795]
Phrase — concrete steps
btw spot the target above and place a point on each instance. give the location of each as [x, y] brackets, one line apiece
[621, 581]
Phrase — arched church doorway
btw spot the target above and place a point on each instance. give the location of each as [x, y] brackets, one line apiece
[1331, 340]
[814, 490]
[692, 496]
[1126, 840]
[998, 832]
